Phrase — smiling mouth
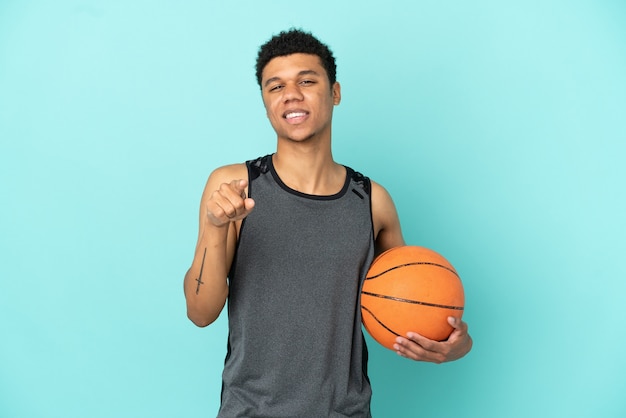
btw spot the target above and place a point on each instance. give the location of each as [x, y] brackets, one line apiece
[295, 115]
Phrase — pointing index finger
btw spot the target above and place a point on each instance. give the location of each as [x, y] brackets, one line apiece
[240, 186]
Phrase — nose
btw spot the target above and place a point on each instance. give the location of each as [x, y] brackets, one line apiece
[291, 92]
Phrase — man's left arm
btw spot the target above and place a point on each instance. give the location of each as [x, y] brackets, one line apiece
[388, 234]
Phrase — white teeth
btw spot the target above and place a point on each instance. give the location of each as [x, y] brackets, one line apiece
[294, 115]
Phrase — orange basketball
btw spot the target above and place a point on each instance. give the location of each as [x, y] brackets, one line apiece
[410, 288]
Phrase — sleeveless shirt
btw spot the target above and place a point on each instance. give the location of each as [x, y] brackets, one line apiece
[295, 342]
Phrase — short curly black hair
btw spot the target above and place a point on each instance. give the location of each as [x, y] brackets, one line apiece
[294, 41]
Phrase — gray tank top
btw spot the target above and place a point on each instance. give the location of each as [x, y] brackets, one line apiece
[295, 343]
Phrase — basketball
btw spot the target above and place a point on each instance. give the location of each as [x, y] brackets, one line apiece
[410, 288]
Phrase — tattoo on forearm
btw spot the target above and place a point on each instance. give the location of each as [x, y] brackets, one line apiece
[199, 279]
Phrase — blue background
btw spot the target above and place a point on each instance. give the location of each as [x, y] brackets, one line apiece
[497, 126]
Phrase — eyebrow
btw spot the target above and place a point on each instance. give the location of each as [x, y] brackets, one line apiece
[301, 73]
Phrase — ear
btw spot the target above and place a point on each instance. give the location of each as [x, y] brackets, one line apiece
[336, 93]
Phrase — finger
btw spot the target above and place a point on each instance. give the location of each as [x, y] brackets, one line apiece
[459, 326]
[226, 205]
[233, 192]
[422, 341]
[228, 208]
[248, 204]
[415, 351]
[218, 211]
[455, 322]
[229, 203]
[240, 187]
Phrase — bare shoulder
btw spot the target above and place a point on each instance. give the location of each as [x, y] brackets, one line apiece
[225, 174]
[228, 173]
[381, 200]
[387, 230]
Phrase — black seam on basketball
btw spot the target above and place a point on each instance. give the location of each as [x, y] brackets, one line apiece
[379, 321]
[415, 302]
[417, 263]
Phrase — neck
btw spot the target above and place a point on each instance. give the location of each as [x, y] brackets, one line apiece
[309, 169]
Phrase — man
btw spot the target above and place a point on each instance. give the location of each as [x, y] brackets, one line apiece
[287, 239]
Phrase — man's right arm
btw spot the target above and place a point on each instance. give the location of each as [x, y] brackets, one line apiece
[224, 205]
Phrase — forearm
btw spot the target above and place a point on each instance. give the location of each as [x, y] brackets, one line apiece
[224, 205]
[206, 287]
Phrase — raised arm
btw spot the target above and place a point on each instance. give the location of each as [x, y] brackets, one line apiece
[223, 206]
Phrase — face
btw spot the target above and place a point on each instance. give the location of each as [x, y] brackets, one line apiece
[298, 97]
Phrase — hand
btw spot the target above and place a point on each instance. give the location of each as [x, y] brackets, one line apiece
[420, 348]
[229, 203]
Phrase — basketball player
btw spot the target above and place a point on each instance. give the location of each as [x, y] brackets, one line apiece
[295, 232]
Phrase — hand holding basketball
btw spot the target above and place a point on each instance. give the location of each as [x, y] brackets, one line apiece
[412, 301]
[229, 203]
[420, 348]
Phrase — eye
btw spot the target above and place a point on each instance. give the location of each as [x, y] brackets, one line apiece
[276, 87]
[307, 82]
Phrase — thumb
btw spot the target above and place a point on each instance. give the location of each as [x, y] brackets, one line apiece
[458, 325]
[248, 204]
